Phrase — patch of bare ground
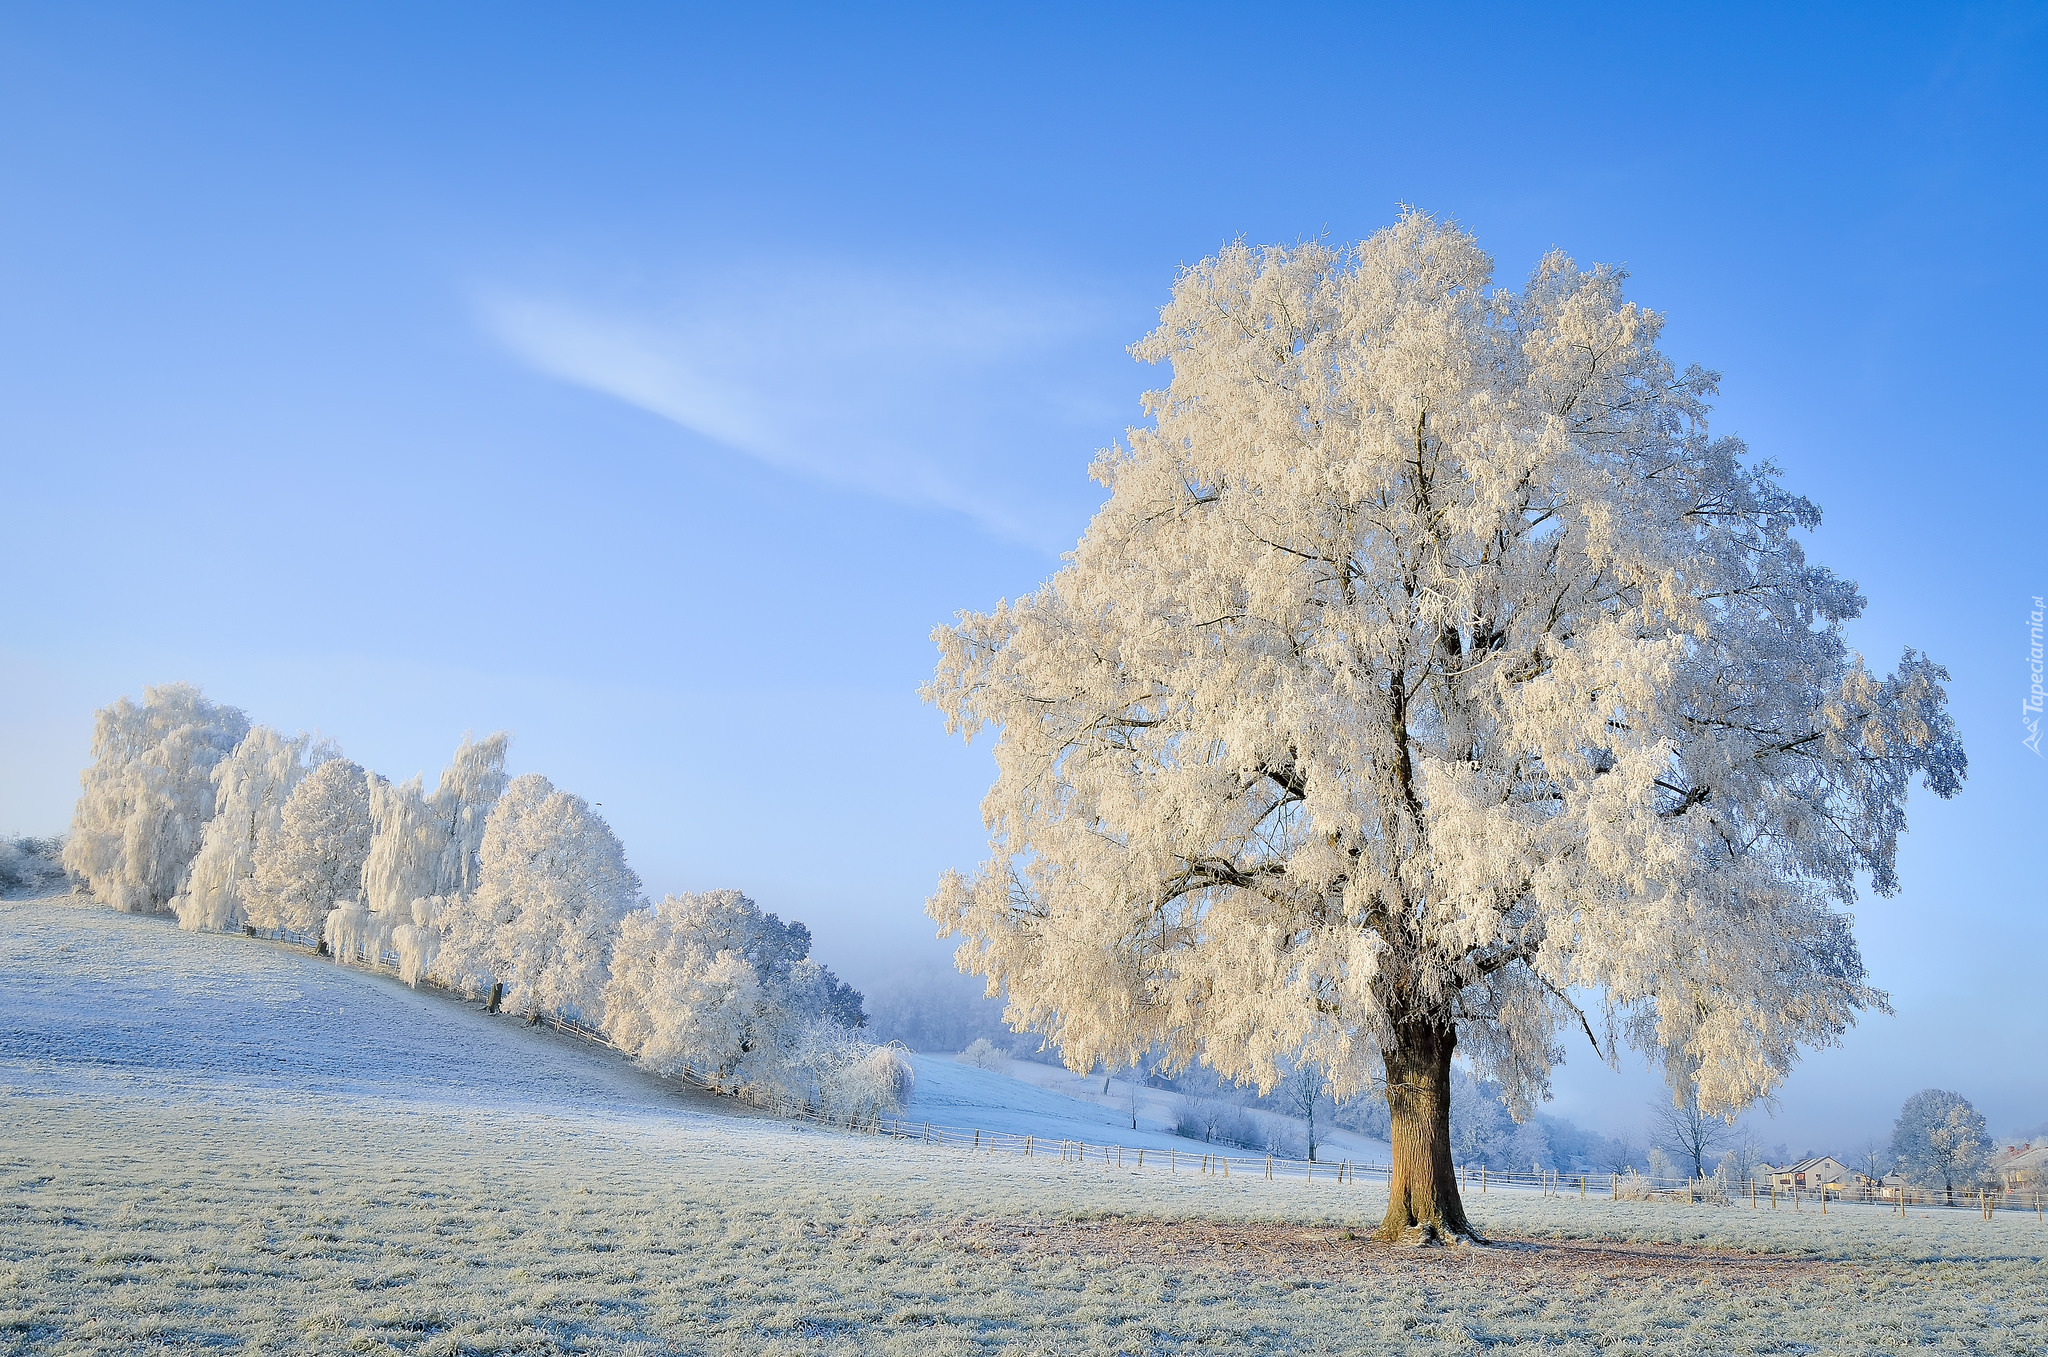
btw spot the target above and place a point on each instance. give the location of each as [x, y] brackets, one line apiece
[1325, 1254]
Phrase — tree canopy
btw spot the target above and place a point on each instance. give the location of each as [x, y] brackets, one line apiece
[1429, 669]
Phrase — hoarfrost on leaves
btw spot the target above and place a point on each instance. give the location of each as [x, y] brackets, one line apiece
[1430, 664]
[251, 786]
[425, 850]
[707, 981]
[552, 887]
[145, 800]
[314, 860]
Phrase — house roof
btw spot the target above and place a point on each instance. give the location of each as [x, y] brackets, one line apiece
[2022, 1157]
[1806, 1165]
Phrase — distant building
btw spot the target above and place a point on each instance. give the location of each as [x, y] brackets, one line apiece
[2022, 1165]
[1888, 1188]
[1809, 1175]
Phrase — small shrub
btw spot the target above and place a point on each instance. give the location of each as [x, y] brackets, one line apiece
[982, 1054]
[30, 862]
[1634, 1187]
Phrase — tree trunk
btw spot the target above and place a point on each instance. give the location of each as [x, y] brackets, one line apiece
[1422, 1192]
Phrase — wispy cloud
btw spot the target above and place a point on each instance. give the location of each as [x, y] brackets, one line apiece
[921, 389]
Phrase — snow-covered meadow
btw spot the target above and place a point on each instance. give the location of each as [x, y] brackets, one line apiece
[214, 1142]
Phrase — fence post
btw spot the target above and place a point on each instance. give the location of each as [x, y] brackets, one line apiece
[1614, 1182]
[1027, 1147]
[1269, 1168]
[1482, 1180]
[1141, 1156]
[1582, 1187]
[977, 1138]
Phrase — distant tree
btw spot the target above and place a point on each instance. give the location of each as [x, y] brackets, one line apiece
[1740, 1164]
[1530, 1150]
[314, 860]
[1873, 1160]
[1365, 1114]
[982, 1054]
[710, 982]
[1620, 1154]
[1694, 1136]
[1939, 1141]
[1429, 663]
[145, 800]
[1303, 1091]
[552, 888]
[251, 786]
[1481, 1130]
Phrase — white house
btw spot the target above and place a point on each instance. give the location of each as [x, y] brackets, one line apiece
[1809, 1175]
[2022, 1165]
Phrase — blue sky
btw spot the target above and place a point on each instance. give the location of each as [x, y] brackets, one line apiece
[649, 382]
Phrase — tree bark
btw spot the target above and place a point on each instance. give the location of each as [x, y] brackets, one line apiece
[1422, 1192]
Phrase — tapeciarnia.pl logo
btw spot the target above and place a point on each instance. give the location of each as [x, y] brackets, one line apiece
[2030, 710]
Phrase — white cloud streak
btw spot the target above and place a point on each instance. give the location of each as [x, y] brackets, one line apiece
[920, 390]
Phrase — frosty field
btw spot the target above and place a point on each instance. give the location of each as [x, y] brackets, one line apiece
[210, 1143]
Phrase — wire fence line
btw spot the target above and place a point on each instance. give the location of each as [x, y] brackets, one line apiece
[1626, 1185]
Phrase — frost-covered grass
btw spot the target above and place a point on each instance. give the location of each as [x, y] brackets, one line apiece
[210, 1142]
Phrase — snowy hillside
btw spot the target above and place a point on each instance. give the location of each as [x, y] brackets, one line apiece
[1052, 1103]
[280, 1020]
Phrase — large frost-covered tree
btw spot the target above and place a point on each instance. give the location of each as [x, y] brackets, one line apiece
[314, 860]
[1430, 676]
[145, 800]
[708, 981]
[250, 789]
[552, 887]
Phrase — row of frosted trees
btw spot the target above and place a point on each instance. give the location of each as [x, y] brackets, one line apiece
[488, 885]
